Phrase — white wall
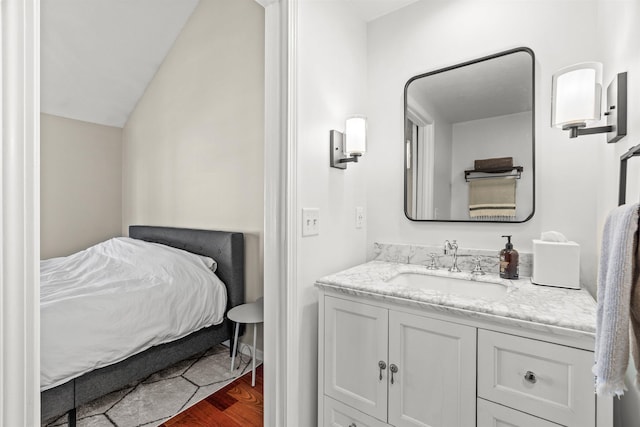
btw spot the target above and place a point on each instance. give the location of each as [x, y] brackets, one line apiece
[487, 138]
[443, 150]
[428, 35]
[331, 70]
[193, 146]
[619, 32]
[81, 184]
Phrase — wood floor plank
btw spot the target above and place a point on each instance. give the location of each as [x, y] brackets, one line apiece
[221, 400]
[235, 405]
[201, 415]
[249, 409]
[246, 415]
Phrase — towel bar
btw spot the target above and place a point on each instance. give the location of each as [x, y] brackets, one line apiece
[514, 171]
[622, 186]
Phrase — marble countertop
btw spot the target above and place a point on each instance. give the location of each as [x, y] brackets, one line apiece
[541, 307]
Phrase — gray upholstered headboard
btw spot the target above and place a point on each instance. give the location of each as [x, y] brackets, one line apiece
[227, 248]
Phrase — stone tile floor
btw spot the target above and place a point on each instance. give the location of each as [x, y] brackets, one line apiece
[161, 395]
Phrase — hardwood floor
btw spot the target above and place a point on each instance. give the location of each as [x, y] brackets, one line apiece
[236, 405]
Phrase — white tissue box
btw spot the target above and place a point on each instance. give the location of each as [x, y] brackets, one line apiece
[556, 264]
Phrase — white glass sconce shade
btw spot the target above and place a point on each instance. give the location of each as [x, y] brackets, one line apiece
[355, 136]
[576, 95]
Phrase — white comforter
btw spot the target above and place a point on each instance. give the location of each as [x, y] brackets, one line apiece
[118, 298]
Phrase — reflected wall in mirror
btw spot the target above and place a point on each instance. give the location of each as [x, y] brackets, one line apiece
[469, 141]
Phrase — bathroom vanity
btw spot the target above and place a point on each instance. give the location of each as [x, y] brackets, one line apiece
[402, 345]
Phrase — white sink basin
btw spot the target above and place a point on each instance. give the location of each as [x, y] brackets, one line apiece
[449, 285]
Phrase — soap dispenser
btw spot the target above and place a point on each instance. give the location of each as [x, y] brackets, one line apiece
[508, 261]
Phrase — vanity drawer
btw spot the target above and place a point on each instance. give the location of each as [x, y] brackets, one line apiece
[337, 414]
[493, 415]
[547, 380]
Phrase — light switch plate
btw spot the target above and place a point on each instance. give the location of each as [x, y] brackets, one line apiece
[360, 217]
[310, 221]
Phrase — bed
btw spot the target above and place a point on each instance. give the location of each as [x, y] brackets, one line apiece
[227, 249]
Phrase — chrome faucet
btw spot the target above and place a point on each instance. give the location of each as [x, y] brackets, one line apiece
[452, 246]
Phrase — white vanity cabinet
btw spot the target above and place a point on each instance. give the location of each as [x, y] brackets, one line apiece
[399, 368]
[386, 363]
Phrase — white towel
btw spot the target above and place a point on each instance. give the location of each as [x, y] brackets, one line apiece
[616, 280]
[492, 199]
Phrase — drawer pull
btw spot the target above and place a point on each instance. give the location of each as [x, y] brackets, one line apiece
[353, 425]
[382, 366]
[530, 377]
[393, 368]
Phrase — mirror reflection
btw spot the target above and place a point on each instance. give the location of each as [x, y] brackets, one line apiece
[469, 141]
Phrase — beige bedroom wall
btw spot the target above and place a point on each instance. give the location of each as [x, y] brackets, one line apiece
[193, 146]
[81, 184]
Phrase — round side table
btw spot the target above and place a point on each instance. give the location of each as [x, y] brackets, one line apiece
[247, 313]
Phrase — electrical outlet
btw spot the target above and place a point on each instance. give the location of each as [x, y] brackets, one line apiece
[360, 217]
[310, 221]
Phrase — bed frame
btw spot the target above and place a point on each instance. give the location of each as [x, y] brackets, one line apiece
[227, 248]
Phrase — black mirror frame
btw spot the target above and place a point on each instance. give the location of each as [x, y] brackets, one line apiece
[533, 133]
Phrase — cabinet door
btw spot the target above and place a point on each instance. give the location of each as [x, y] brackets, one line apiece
[494, 415]
[355, 340]
[435, 382]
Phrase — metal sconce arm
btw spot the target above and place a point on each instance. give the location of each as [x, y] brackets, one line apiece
[616, 113]
[336, 157]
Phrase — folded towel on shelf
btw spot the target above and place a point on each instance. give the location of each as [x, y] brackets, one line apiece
[492, 198]
[494, 163]
[618, 301]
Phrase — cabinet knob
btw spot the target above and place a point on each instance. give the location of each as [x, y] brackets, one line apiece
[530, 377]
[382, 366]
[393, 368]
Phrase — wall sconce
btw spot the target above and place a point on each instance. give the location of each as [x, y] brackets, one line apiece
[576, 101]
[348, 147]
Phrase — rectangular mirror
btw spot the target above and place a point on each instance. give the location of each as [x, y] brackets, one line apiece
[469, 141]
